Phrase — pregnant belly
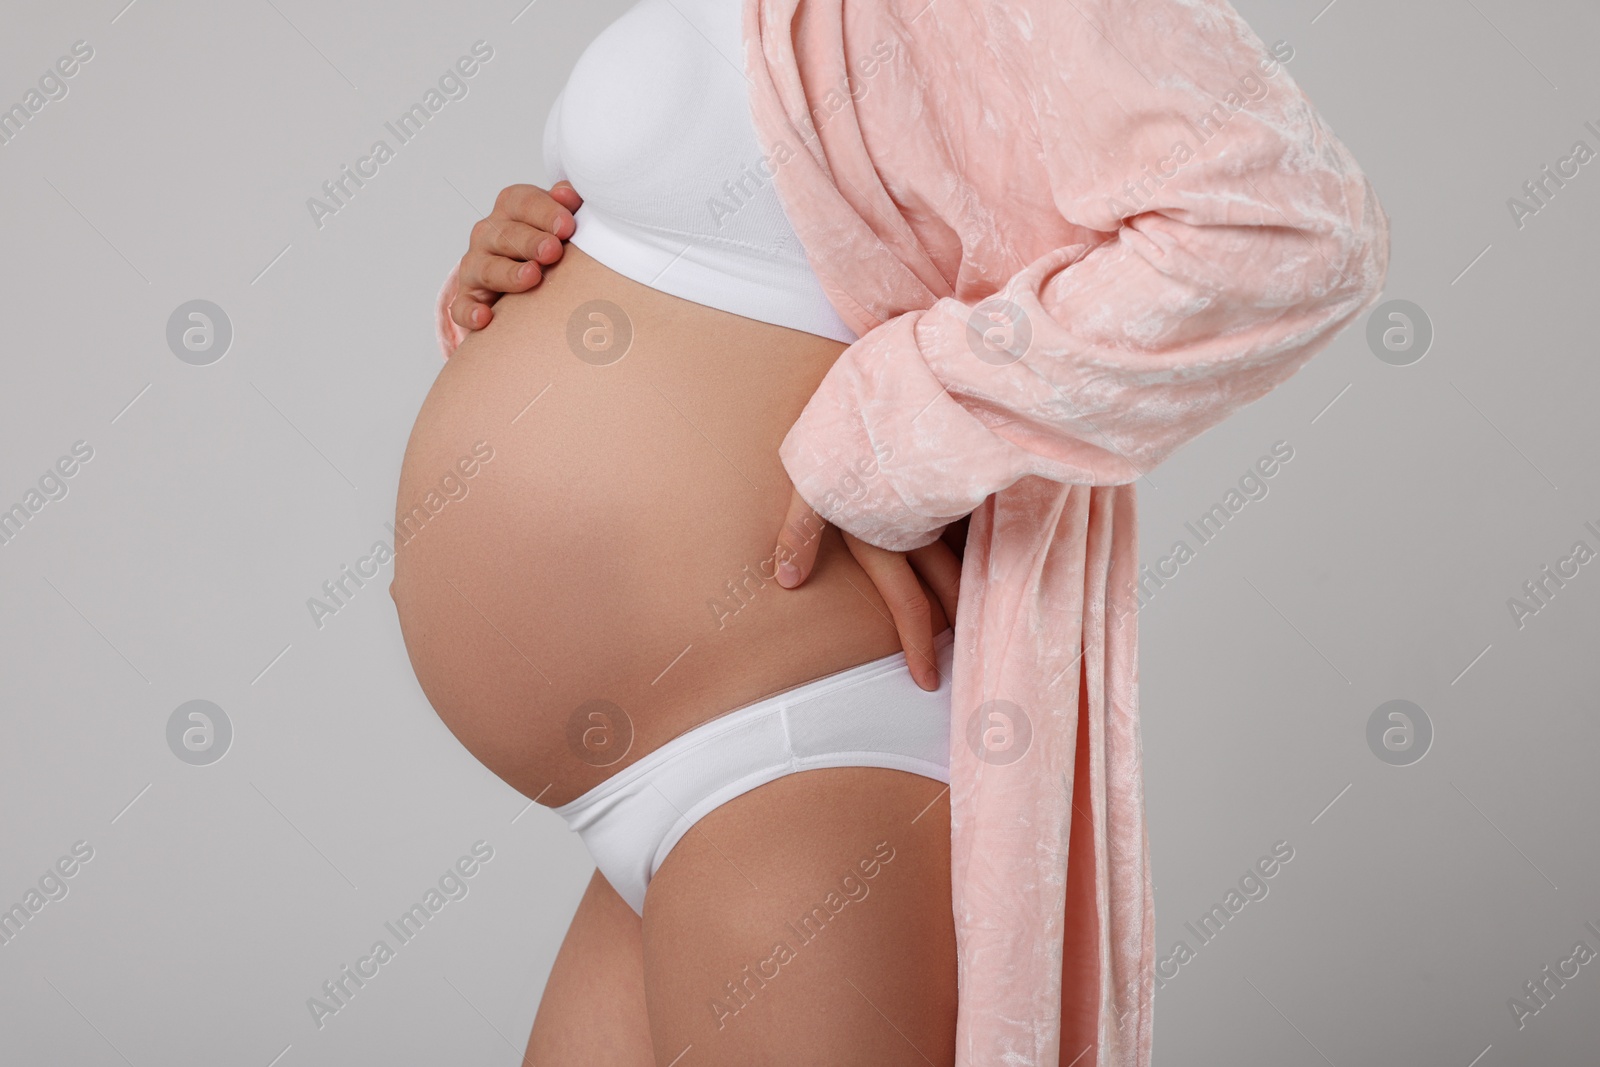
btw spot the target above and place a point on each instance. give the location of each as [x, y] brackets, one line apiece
[586, 519]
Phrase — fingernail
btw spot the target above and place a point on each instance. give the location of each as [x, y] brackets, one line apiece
[477, 317]
[788, 574]
[565, 225]
[548, 246]
[527, 271]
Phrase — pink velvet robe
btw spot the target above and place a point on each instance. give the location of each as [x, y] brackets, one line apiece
[1175, 232]
[1071, 235]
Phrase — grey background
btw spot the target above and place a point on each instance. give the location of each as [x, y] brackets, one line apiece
[1420, 498]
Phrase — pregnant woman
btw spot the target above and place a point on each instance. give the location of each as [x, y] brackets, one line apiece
[608, 585]
[1019, 257]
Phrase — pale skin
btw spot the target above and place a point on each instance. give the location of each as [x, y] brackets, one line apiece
[877, 984]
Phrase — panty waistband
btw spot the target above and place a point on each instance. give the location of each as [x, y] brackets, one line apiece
[732, 720]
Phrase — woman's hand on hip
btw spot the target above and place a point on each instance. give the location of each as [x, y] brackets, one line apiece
[898, 576]
[509, 249]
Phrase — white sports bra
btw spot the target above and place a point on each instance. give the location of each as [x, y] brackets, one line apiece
[653, 128]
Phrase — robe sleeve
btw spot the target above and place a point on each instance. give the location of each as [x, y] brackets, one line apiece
[1206, 280]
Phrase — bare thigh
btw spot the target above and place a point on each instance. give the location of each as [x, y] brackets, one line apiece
[807, 921]
[592, 1013]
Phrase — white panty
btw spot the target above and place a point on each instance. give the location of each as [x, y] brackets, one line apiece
[870, 715]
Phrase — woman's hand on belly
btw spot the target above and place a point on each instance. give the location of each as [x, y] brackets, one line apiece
[505, 251]
[901, 578]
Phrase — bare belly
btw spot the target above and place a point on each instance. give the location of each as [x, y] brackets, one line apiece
[585, 542]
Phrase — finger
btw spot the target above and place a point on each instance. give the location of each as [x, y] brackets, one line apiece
[908, 606]
[497, 274]
[532, 205]
[798, 541]
[514, 240]
[564, 194]
[470, 310]
[940, 567]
